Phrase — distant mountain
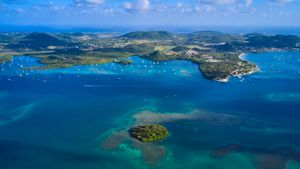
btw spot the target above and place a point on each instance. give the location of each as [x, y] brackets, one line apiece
[42, 40]
[250, 35]
[151, 35]
[208, 33]
[38, 41]
[212, 37]
[277, 41]
[76, 34]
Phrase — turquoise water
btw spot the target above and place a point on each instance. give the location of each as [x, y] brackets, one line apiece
[77, 117]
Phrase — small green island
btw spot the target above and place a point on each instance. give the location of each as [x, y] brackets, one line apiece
[149, 132]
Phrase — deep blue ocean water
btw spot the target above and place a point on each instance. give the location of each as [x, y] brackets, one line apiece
[59, 118]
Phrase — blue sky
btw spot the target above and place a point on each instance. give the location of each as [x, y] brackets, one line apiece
[150, 12]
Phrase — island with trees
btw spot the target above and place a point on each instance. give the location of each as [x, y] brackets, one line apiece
[149, 132]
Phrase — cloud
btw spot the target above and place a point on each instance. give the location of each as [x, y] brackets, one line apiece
[143, 4]
[140, 5]
[88, 2]
[224, 7]
[20, 10]
[128, 6]
[248, 2]
[226, 2]
[204, 6]
[95, 2]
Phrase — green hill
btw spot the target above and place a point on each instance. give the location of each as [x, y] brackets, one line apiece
[212, 37]
[277, 41]
[38, 41]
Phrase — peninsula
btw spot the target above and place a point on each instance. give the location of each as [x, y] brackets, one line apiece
[216, 53]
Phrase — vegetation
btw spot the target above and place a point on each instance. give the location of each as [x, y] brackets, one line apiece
[37, 41]
[216, 53]
[212, 37]
[277, 41]
[4, 59]
[149, 133]
[64, 62]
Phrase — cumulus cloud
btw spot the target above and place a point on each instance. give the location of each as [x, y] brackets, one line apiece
[128, 6]
[140, 5]
[143, 4]
[168, 8]
[204, 6]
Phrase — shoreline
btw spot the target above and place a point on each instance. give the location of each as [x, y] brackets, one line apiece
[221, 80]
[225, 80]
[245, 74]
[242, 57]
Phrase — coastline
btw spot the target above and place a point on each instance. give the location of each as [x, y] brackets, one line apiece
[240, 75]
[225, 80]
[242, 56]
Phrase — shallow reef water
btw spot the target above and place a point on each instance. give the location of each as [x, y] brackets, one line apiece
[79, 117]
